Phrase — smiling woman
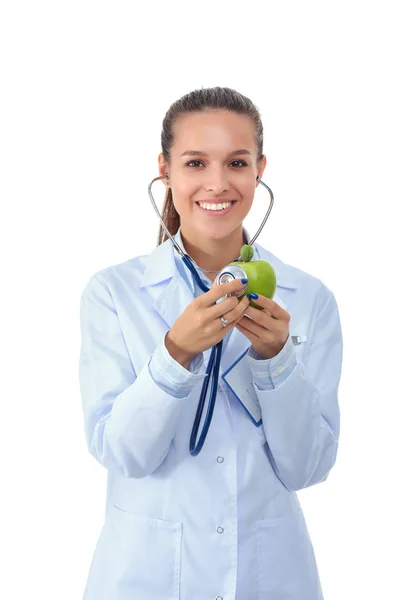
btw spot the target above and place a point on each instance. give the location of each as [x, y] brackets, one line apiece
[226, 522]
[219, 182]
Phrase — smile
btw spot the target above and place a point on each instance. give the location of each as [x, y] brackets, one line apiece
[225, 207]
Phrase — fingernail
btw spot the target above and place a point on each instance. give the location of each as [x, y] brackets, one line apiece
[252, 296]
[244, 280]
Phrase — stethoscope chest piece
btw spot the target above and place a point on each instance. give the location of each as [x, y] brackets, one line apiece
[228, 273]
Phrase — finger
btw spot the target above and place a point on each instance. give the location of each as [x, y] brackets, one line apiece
[217, 291]
[251, 325]
[246, 332]
[231, 308]
[252, 331]
[275, 310]
[263, 318]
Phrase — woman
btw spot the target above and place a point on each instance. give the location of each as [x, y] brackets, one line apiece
[225, 524]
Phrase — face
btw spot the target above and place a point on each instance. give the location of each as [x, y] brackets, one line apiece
[214, 172]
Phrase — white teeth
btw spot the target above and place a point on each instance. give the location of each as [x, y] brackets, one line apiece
[215, 206]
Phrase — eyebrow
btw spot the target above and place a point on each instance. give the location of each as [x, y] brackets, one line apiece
[199, 153]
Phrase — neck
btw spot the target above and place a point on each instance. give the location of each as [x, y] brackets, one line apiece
[212, 254]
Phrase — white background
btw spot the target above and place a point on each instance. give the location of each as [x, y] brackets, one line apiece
[85, 86]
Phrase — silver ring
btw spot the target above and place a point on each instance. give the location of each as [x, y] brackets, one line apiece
[224, 321]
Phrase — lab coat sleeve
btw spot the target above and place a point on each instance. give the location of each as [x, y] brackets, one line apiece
[301, 417]
[170, 375]
[270, 373]
[129, 420]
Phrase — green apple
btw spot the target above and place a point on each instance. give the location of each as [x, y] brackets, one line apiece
[260, 273]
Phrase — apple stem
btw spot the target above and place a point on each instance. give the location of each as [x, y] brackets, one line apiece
[246, 253]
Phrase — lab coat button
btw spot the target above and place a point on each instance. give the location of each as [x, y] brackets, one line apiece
[219, 598]
[220, 459]
[220, 529]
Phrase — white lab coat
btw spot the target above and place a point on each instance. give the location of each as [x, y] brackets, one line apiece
[226, 524]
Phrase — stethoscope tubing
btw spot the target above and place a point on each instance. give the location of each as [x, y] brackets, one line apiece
[213, 366]
[212, 371]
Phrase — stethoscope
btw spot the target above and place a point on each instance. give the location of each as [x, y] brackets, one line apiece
[215, 358]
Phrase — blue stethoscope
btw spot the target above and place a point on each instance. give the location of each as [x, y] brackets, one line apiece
[215, 358]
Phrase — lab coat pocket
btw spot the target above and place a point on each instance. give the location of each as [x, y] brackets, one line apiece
[287, 569]
[137, 557]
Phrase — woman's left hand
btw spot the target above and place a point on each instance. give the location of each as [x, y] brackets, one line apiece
[267, 329]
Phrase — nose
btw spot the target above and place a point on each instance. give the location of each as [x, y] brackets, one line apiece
[216, 181]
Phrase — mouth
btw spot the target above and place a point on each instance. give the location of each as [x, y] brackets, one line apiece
[216, 213]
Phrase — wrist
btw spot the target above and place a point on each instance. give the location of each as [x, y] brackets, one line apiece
[177, 354]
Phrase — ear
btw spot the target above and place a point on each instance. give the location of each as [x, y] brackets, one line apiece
[162, 168]
[261, 167]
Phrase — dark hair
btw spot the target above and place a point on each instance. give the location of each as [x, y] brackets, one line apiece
[196, 101]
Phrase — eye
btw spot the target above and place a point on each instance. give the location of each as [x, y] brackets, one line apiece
[191, 162]
[244, 164]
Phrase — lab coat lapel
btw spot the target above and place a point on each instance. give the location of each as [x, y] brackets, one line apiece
[171, 295]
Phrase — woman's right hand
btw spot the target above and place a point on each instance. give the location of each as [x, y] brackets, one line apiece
[199, 327]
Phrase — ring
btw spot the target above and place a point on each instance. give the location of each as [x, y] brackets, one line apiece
[224, 321]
